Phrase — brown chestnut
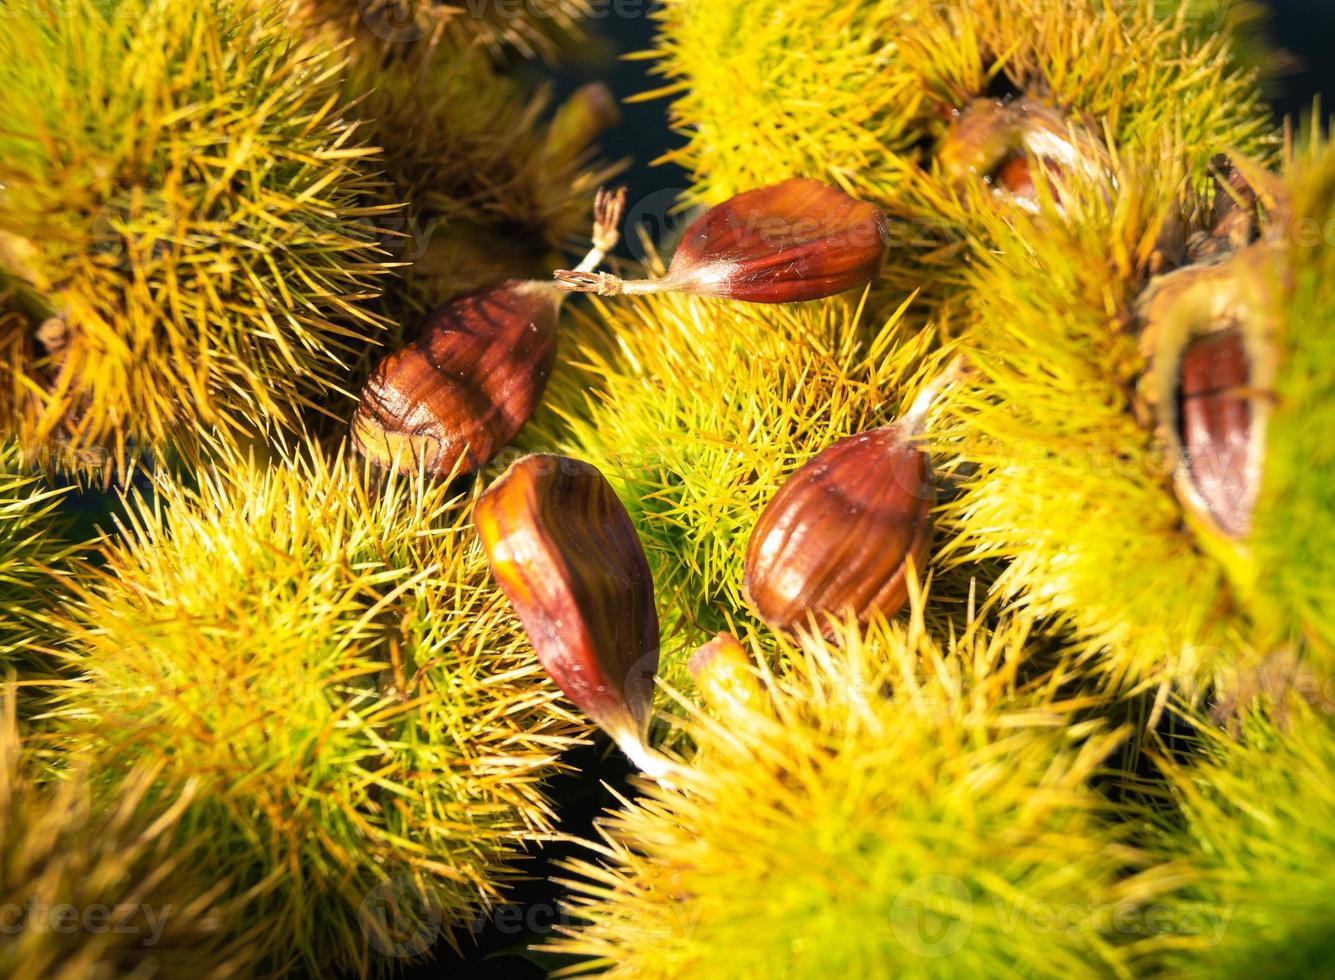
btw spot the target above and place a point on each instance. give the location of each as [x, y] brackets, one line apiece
[797, 240]
[843, 533]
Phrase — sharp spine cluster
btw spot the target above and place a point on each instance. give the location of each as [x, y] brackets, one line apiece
[972, 443]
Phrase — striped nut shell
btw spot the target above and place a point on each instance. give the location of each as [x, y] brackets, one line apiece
[796, 240]
[566, 554]
[841, 532]
[451, 399]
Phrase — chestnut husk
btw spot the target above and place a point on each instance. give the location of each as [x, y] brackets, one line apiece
[1209, 341]
[999, 141]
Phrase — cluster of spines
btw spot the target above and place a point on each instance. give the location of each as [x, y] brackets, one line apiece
[1044, 304]
[95, 888]
[1059, 476]
[865, 101]
[34, 554]
[490, 182]
[694, 475]
[1251, 815]
[196, 214]
[1291, 547]
[537, 28]
[1066, 473]
[328, 664]
[1054, 467]
[205, 205]
[491, 189]
[696, 410]
[202, 217]
[888, 808]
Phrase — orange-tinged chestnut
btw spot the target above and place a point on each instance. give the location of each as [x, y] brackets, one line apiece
[564, 551]
[797, 240]
[842, 533]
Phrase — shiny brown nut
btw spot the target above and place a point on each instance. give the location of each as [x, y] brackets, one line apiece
[998, 141]
[841, 533]
[797, 240]
[1215, 425]
[463, 389]
[1208, 338]
[449, 400]
[564, 550]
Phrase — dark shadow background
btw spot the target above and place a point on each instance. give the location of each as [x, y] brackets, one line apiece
[1304, 29]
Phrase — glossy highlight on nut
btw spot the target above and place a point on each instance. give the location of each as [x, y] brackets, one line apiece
[841, 533]
[564, 551]
[448, 401]
[797, 240]
[1210, 345]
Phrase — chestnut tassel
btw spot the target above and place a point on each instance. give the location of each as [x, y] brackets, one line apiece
[797, 240]
[462, 390]
[845, 531]
[564, 550]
